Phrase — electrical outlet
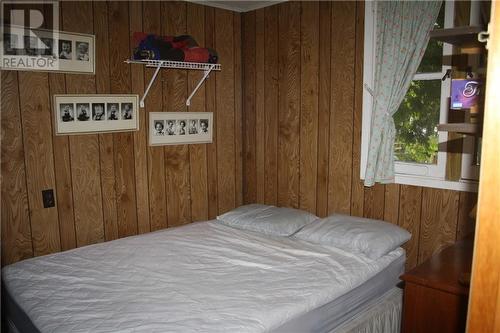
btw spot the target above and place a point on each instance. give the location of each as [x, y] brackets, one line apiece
[48, 198]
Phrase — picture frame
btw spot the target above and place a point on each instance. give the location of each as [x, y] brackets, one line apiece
[178, 128]
[47, 51]
[90, 114]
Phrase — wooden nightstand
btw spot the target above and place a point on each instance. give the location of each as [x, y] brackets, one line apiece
[434, 299]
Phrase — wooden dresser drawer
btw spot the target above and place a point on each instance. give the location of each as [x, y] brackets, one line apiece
[428, 310]
[434, 299]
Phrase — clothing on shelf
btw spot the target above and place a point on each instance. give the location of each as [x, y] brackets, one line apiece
[174, 48]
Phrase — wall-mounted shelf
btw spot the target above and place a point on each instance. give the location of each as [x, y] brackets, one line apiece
[462, 128]
[158, 64]
[458, 36]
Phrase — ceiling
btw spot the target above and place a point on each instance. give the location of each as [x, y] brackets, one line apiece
[237, 6]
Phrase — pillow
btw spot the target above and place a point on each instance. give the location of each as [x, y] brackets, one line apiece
[234, 215]
[269, 220]
[374, 238]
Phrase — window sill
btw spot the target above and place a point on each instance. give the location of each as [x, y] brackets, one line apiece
[462, 185]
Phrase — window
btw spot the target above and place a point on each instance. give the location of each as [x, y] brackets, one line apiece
[419, 148]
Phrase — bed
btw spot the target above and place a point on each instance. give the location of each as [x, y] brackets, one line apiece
[202, 277]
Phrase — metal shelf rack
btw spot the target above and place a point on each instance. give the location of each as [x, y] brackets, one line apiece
[158, 64]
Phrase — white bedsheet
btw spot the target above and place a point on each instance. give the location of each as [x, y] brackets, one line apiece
[203, 277]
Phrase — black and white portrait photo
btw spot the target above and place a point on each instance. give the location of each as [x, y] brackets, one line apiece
[170, 130]
[83, 111]
[10, 44]
[193, 126]
[47, 47]
[82, 51]
[63, 52]
[159, 127]
[203, 126]
[181, 127]
[98, 112]
[67, 112]
[127, 111]
[30, 45]
[113, 111]
[65, 49]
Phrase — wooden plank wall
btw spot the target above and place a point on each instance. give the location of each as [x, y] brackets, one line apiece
[293, 132]
[302, 97]
[114, 185]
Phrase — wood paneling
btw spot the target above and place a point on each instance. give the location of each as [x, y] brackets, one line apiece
[309, 77]
[126, 206]
[174, 99]
[197, 153]
[439, 218]
[341, 106]
[249, 100]
[391, 203]
[466, 215]
[106, 145]
[260, 105]
[15, 211]
[324, 108]
[114, 185]
[238, 111]
[140, 137]
[312, 80]
[62, 165]
[84, 150]
[288, 39]
[410, 206]
[226, 178]
[154, 103]
[210, 91]
[36, 120]
[374, 202]
[271, 105]
[62, 169]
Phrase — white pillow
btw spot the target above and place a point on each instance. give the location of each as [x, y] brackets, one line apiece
[374, 238]
[269, 220]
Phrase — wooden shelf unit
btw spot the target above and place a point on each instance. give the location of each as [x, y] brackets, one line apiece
[458, 36]
[462, 128]
[466, 39]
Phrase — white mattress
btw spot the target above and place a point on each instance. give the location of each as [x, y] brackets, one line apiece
[203, 277]
[337, 312]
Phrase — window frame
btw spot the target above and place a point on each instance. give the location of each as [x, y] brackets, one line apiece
[427, 175]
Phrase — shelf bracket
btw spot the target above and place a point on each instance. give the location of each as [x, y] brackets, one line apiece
[141, 103]
[205, 76]
[158, 64]
[483, 36]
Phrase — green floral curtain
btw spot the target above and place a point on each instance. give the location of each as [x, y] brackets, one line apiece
[402, 29]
